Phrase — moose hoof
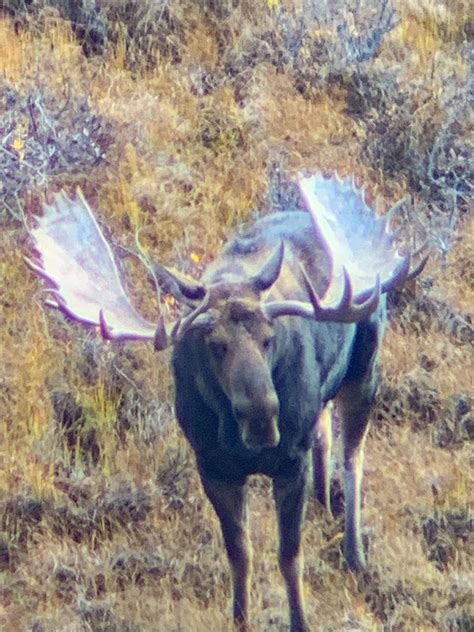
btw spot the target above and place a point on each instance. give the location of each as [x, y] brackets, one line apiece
[355, 559]
[300, 627]
[356, 554]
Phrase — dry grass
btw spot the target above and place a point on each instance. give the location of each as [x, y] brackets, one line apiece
[179, 120]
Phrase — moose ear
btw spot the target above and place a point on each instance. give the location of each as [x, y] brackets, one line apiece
[179, 285]
[270, 270]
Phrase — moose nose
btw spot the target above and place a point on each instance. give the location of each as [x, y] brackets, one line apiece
[265, 408]
[258, 422]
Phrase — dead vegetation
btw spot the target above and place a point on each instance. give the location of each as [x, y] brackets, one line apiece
[180, 120]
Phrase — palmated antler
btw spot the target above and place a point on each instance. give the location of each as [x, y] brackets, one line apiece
[72, 255]
[360, 247]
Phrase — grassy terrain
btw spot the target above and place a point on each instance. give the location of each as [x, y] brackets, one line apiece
[180, 119]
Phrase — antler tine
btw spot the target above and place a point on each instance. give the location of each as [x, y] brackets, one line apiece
[181, 326]
[347, 310]
[399, 275]
[36, 267]
[104, 328]
[167, 335]
[420, 266]
[369, 306]
[404, 272]
[161, 340]
[419, 250]
[347, 293]
[179, 285]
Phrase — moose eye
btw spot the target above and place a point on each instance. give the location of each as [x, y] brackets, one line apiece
[218, 348]
[267, 343]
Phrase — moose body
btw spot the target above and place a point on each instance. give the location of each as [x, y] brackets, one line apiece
[288, 381]
[258, 354]
[305, 364]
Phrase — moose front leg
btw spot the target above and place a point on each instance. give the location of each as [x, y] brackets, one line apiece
[322, 457]
[290, 500]
[229, 501]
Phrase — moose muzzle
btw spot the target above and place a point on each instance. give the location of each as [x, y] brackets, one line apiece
[258, 421]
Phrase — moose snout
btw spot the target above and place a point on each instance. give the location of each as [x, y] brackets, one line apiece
[258, 421]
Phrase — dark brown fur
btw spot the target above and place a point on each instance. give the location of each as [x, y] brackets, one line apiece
[249, 392]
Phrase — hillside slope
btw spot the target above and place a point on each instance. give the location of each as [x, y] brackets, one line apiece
[180, 120]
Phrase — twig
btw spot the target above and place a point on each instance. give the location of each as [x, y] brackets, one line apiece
[130, 381]
[25, 162]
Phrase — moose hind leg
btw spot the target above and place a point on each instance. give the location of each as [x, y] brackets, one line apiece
[290, 500]
[322, 457]
[353, 447]
[229, 501]
[354, 401]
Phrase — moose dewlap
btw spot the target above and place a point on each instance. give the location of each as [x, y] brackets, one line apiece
[288, 318]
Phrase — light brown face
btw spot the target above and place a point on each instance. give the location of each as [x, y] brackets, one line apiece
[240, 348]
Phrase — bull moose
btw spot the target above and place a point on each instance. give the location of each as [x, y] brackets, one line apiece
[289, 317]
